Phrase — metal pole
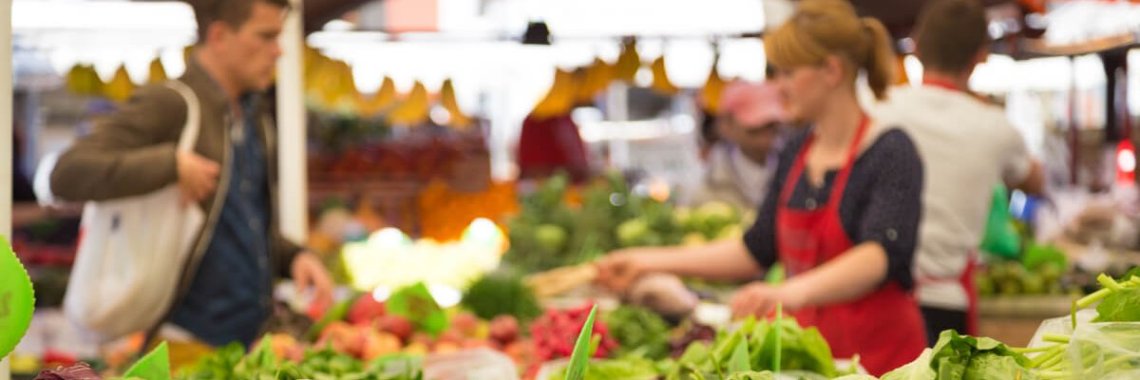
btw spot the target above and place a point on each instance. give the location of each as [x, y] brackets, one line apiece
[293, 187]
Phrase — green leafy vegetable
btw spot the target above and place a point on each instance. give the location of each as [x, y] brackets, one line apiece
[626, 368]
[502, 293]
[639, 331]
[154, 366]
[963, 357]
[582, 349]
[417, 305]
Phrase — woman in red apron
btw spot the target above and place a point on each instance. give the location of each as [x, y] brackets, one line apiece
[844, 224]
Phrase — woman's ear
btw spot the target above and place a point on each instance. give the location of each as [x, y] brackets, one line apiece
[834, 70]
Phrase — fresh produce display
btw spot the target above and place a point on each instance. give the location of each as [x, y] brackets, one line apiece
[501, 293]
[231, 362]
[555, 332]
[959, 357]
[549, 233]
[758, 345]
[639, 332]
[1008, 278]
[747, 352]
[690, 332]
[444, 213]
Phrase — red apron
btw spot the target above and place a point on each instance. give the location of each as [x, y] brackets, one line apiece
[966, 278]
[884, 328]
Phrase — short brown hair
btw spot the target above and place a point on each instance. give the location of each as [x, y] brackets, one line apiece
[950, 34]
[232, 12]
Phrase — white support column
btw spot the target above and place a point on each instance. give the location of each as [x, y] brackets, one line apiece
[293, 186]
[5, 134]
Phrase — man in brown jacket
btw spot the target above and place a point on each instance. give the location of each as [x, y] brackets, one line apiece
[231, 173]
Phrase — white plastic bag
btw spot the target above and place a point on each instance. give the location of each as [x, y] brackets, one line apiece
[1107, 351]
[132, 252]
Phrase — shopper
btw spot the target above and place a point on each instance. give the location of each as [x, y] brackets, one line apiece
[231, 174]
[741, 165]
[967, 147]
[842, 217]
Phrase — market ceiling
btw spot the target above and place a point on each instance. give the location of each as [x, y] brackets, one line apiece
[898, 15]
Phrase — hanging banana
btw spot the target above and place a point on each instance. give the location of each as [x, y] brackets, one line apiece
[459, 120]
[628, 63]
[661, 83]
[413, 110]
[157, 73]
[560, 99]
[120, 87]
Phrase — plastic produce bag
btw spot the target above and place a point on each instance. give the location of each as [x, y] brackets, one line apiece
[1106, 351]
[480, 364]
[1001, 238]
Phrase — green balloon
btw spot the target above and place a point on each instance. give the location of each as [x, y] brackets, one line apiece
[17, 299]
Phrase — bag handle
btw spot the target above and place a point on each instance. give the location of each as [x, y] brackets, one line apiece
[189, 137]
[186, 142]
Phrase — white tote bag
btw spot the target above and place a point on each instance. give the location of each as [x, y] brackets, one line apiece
[132, 252]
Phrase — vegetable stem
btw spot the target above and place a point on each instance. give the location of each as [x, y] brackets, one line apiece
[1031, 350]
[1093, 298]
[1055, 338]
[1040, 360]
[1108, 282]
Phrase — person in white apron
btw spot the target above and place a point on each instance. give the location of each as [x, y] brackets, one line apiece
[967, 147]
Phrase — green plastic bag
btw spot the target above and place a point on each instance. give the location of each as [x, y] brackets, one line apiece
[1001, 238]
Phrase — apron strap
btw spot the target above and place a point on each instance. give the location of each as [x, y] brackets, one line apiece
[840, 184]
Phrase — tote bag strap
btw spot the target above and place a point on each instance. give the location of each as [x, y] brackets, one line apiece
[186, 143]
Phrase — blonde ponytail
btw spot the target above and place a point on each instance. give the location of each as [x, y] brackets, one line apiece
[879, 57]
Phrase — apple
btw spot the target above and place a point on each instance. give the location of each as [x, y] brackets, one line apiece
[465, 323]
[396, 325]
[416, 348]
[343, 338]
[379, 344]
[504, 329]
[364, 310]
[445, 347]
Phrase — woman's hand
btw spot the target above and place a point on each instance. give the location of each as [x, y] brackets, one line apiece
[621, 269]
[759, 299]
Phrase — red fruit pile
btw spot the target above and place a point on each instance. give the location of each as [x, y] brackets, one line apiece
[555, 333]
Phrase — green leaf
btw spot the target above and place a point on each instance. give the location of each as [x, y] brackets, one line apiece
[416, 304]
[154, 366]
[1120, 306]
[739, 361]
[919, 369]
[581, 355]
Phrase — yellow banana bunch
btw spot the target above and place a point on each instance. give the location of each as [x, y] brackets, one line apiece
[380, 101]
[120, 87]
[710, 94]
[598, 78]
[157, 72]
[413, 110]
[560, 99]
[459, 120]
[628, 62]
[84, 81]
[661, 83]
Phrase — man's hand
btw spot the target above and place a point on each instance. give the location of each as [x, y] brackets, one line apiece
[308, 272]
[197, 176]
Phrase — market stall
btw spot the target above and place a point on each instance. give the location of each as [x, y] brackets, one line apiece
[459, 255]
